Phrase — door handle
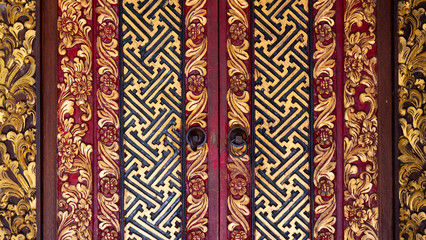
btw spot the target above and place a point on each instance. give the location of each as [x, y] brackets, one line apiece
[196, 137]
[237, 142]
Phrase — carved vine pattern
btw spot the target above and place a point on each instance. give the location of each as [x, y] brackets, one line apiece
[74, 120]
[412, 118]
[17, 120]
[107, 83]
[325, 118]
[360, 106]
[238, 116]
[196, 110]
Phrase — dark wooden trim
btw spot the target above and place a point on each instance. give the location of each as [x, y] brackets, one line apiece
[48, 112]
[385, 50]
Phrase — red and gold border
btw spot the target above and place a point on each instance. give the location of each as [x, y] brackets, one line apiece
[324, 84]
[75, 120]
[238, 99]
[106, 86]
[360, 115]
[88, 124]
[196, 116]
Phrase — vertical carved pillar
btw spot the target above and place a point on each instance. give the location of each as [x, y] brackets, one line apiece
[196, 96]
[238, 97]
[88, 120]
[360, 116]
[325, 129]
[107, 124]
[75, 119]
[412, 119]
[18, 115]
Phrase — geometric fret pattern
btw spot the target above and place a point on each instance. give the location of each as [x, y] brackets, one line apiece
[282, 174]
[152, 119]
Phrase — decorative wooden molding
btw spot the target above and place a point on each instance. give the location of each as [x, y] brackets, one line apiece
[18, 120]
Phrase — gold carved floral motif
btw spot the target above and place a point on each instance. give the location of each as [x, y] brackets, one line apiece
[196, 97]
[360, 106]
[238, 109]
[108, 119]
[324, 124]
[17, 120]
[412, 118]
[74, 115]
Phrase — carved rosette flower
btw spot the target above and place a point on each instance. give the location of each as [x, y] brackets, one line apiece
[109, 185]
[107, 31]
[108, 82]
[196, 83]
[324, 85]
[238, 83]
[67, 25]
[356, 49]
[238, 186]
[197, 235]
[323, 32]
[108, 234]
[108, 134]
[83, 214]
[356, 214]
[68, 150]
[368, 138]
[196, 31]
[324, 136]
[326, 188]
[238, 235]
[238, 31]
[197, 187]
[326, 236]
[81, 86]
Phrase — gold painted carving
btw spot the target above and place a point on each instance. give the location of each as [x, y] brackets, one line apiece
[323, 73]
[238, 103]
[412, 118]
[17, 120]
[195, 73]
[75, 90]
[360, 106]
[108, 119]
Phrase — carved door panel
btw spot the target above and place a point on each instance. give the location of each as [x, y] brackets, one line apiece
[206, 119]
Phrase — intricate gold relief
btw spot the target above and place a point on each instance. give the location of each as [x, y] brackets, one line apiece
[17, 120]
[281, 105]
[238, 99]
[360, 104]
[325, 147]
[108, 119]
[74, 112]
[412, 117]
[196, 97]
[152, 119]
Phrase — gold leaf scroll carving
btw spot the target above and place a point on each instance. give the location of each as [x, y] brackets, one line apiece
[17, 120]
[75, 156]
[360, 144]
[323, 73]
[412, 119]
[196, 97]
[238, 104]
[108, 119]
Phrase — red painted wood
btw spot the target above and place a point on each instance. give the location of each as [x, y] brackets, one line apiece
[223, 120]
[214, 138]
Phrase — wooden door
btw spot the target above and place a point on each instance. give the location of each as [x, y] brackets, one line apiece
[203, 119]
